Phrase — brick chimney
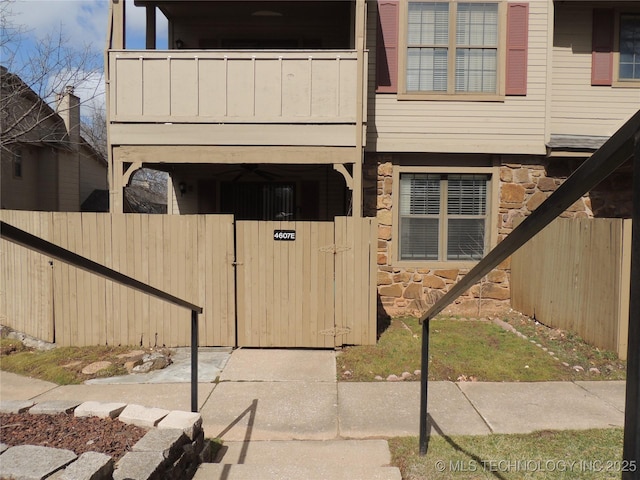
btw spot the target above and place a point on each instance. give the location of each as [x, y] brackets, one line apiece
[68, 107]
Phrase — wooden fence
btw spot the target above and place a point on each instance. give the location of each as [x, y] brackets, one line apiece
[185, 256]
[574, 275]
[279, 302]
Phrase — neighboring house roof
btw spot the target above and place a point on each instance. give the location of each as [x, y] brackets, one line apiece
[47, 128]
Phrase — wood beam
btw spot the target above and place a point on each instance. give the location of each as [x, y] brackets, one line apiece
[151, 27]
[339, 167]
[235, 154]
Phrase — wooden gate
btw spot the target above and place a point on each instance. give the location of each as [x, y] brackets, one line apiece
[305, 284]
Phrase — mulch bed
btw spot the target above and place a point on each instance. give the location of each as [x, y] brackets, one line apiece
[83, 434]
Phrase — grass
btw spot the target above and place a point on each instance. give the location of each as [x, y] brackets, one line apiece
[62, 365]
[588, 454]
[473, 350]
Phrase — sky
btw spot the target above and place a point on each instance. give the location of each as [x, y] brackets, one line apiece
[83, 24]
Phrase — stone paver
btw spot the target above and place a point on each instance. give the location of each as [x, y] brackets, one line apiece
[188, 422]
[392, 409]
[53, 407]
[527, 407]
[138, 465]
[99, 409]
[280, 366]
[165, 441]
[142, 416]
[272, 411]
[27, 462]
[88, 466]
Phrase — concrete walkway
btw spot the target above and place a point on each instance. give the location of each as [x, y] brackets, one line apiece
[289, 395]
[293, 394]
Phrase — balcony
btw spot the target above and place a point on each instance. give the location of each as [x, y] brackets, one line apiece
[281, 93]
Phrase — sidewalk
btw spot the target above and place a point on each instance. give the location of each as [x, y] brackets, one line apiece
[293, 395]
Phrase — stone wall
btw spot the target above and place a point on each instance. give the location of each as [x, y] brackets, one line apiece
[525, 182]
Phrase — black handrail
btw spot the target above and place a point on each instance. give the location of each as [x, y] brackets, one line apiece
[616, 151]
[25, 239]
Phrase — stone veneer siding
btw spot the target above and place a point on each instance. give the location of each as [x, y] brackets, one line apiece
[524, 183]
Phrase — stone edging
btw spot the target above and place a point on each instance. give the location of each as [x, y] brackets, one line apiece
[174, 446]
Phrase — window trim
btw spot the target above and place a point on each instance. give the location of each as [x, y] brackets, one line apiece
[616, 81]
[493, 192]
[403, 28]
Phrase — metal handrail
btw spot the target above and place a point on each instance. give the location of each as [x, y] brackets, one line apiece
[25, 239]
[616, 151]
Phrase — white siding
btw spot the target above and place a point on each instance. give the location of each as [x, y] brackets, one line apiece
[515, 125]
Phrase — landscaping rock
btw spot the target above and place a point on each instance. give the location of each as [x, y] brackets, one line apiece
[393, 378]
[95, 367]
[152, 361]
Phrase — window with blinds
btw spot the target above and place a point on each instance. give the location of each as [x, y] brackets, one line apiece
[452, 47]
[443, 217]
[629, 68]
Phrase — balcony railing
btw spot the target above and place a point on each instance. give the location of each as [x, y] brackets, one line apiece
[204, 86]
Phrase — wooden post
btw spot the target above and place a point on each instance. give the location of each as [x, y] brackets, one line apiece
[151, 27]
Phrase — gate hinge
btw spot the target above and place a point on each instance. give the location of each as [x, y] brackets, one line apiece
[234, 263]
[334, 332]
[335, 248]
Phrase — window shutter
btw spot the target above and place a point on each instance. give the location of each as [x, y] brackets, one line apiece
[602, 47]
[387, 47]
[517, 46]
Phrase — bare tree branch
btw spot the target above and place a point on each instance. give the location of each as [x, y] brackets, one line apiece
[32, 77]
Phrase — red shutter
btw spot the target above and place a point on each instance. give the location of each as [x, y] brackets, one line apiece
[602, 47]
[387, 47]
[517, 45]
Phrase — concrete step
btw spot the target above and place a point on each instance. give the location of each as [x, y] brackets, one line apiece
[304, 460]
[214, 471]
[312, 452]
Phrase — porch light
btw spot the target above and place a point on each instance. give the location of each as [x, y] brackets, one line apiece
[179, 44]
[182, 186]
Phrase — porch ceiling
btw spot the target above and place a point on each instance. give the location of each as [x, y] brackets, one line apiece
[255, 8]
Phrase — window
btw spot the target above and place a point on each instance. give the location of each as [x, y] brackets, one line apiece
[629, 65]
[17, 164]
[432, 50]
[452, 47]
[615, 45]
[443, 217]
